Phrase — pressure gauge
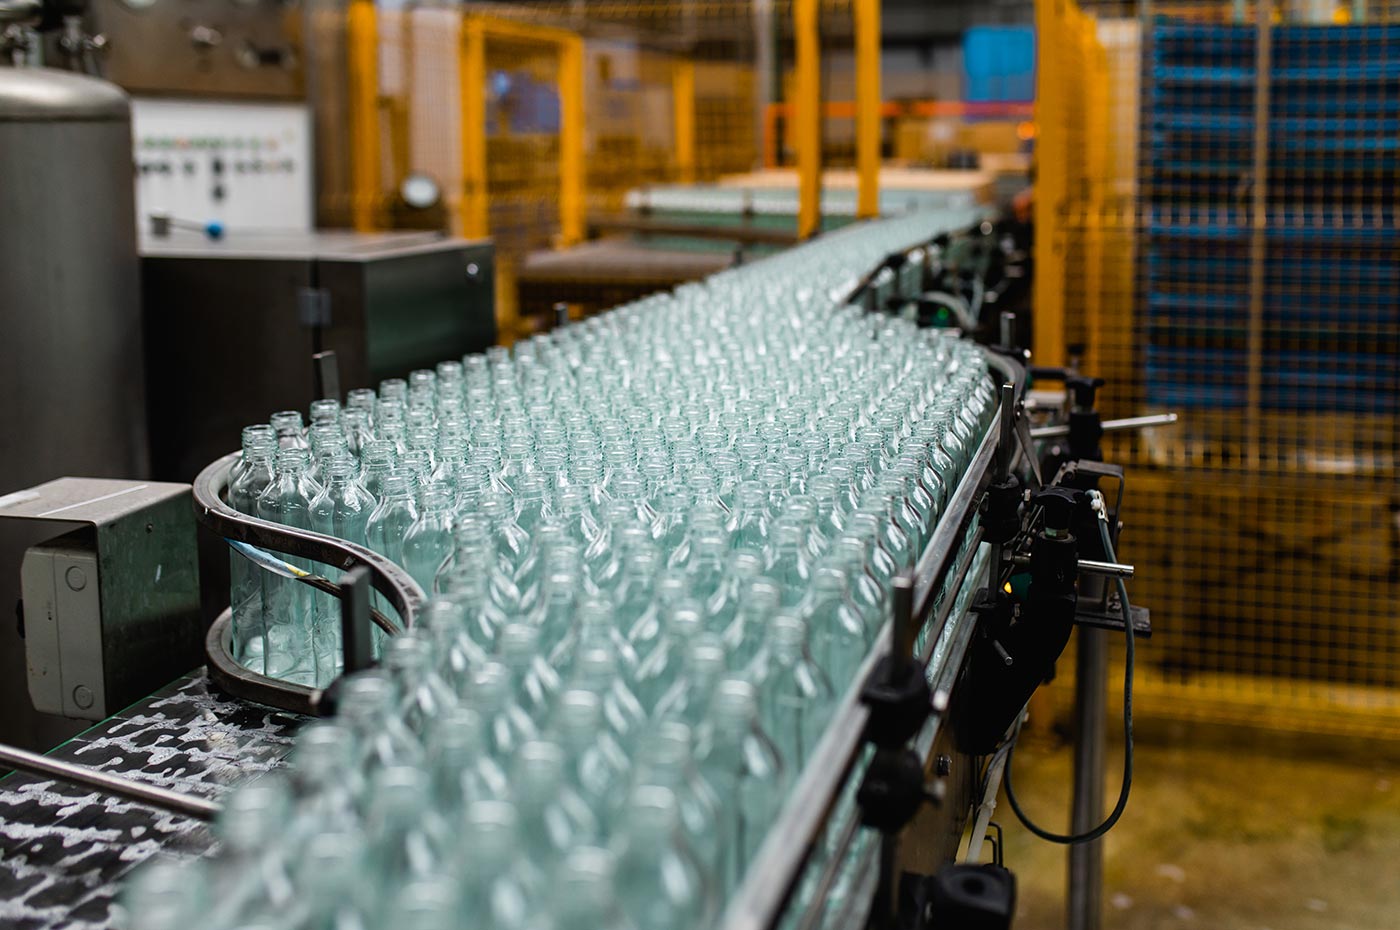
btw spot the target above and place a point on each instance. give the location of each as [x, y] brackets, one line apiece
[419, 191]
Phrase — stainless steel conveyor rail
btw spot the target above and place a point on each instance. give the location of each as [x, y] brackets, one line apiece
[945, 567]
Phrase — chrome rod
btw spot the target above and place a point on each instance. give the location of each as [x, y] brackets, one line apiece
[107, 783]
[1109, 426]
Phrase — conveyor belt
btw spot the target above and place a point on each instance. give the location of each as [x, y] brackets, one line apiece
[67, 850]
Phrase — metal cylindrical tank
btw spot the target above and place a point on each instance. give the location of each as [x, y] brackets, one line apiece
[71, 367]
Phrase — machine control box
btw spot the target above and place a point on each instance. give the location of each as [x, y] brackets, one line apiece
[111, 606]
[245, 166]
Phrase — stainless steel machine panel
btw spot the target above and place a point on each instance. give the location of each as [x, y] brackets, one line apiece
[229, 337]
[71, 357]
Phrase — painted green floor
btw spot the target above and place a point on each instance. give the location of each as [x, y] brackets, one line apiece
[1222, 840]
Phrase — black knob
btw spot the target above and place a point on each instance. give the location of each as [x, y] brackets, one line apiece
[1058, 505]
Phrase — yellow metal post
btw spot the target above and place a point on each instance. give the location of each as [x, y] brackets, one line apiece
[867, 25]
[1051, 153]
[362, 54]
[683, 110]
[807, 106]
[471, 216]
[571, 198]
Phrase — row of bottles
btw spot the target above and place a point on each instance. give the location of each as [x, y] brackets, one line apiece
[659, 543]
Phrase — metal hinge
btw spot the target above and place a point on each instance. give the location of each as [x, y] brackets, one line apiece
[313, 306]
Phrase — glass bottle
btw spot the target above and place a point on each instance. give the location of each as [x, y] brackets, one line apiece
[389, 522]
[748, 519]
[290, 432]
[515, 574]
[738, 758]
[377, 458]
[553, 817]
[288, 604]
[660, 883]
[687, 700]
[838, 631]
[409, 838]
[789, 562]
[665, 757]
[428, 542]
[592, 626]
[744, 635]
[720, 608]
[423, 695]
[166, 895]
[598, 767]
[455, 655]
[249, 634]
[535, 682]
[460, 764]
[500, 884]
[661, 664]
[794, 695]
[583, 896]
[508, 725]
[327, 780]
[251, 859]
[596, 670]
[369, 707]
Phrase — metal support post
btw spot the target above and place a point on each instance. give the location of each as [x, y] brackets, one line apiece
[571, 170]
[471, 214]
[683, 117]
[867, 27]
[362, 54]
[808, 91]
[1086, 859]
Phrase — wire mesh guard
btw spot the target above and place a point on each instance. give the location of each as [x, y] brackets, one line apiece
[1232, 257]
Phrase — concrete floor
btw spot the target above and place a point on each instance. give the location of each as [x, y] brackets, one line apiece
[1221, 839]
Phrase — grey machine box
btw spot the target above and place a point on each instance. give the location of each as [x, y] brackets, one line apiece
[231, 324]
[110, 607]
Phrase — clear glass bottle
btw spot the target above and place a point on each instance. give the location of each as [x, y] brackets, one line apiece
[460, 765]
[423, 695]
[596, 670]
[327, 780]
[661, 665]
[583, 896]
[789, 561]
[744, 635]
[377, 459]
[748, 519]
[660, 883]
[288, 604]
[839, 636]
[428, 542]
[409, 838]
[794, 695]
[508, 725]
[536, 683]
[665, 757]
[739, 759]
[598, 767]
[249, 633]
[501, 886]
[369, 707]
[290, 432]
[389, 522]
[687, 700]
[553, 817]
[515, 575]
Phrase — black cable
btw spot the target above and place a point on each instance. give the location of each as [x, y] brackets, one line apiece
[1073, 839]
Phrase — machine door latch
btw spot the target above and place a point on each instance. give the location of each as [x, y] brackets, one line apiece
[313, 307]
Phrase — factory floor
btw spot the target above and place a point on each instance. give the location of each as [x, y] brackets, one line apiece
[1270, 838]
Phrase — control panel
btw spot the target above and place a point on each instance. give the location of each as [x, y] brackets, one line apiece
[245, 166]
